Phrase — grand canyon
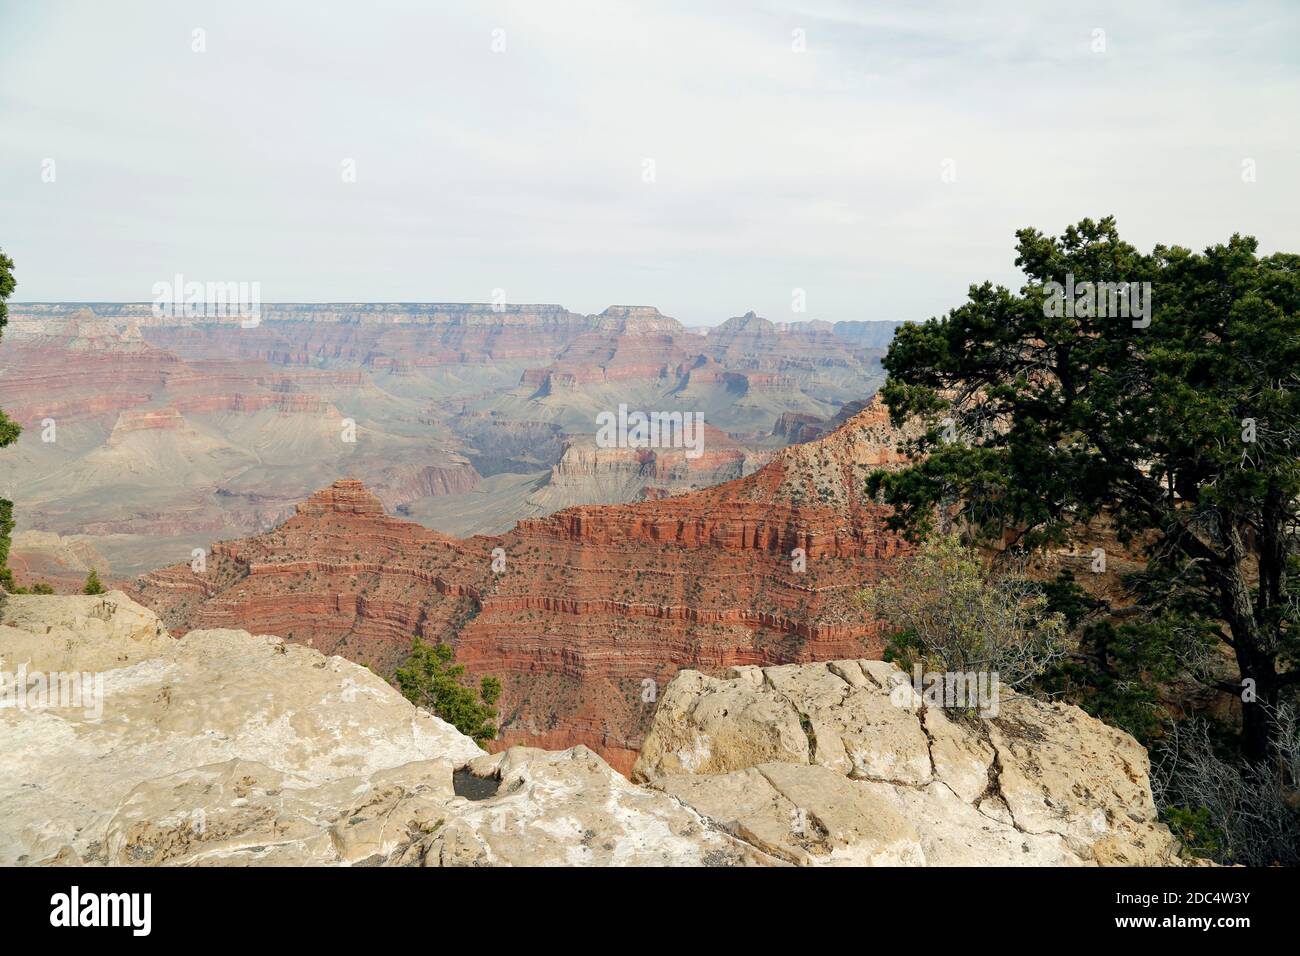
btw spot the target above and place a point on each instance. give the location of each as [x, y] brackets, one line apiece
[147, 437]
[617, 566]
[685, 660]
[587, 434]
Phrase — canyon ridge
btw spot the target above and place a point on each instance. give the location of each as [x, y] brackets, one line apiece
[586, 614]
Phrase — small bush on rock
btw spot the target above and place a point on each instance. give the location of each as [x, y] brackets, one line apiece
[429, 679]
[949, 612]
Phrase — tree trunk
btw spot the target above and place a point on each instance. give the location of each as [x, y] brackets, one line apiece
[1258, 717]
[1256, 659]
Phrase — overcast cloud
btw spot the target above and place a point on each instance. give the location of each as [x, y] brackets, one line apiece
[523, 169]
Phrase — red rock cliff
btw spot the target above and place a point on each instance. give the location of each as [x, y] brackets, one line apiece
[594, 608]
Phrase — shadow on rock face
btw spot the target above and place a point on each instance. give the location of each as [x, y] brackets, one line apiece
[472, 787]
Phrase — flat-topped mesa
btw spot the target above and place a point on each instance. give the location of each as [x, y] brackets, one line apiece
[632, 312]
[636, 320]
[157, 419]
[347, 496]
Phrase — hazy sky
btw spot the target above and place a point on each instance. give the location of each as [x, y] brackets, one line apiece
[525, 169]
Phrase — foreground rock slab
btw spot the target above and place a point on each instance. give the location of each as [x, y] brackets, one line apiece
[227, 748]
[835, 763]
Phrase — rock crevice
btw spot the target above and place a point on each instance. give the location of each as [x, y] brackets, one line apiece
[1066, 794]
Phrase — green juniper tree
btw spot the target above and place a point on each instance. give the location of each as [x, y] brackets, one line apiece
[429, 679]
[9, 429]
[1181, 434]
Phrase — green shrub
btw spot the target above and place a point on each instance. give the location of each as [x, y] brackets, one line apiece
[948, 612]
[429, 679]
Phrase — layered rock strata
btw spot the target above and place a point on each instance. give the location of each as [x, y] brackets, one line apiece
[585, 614]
